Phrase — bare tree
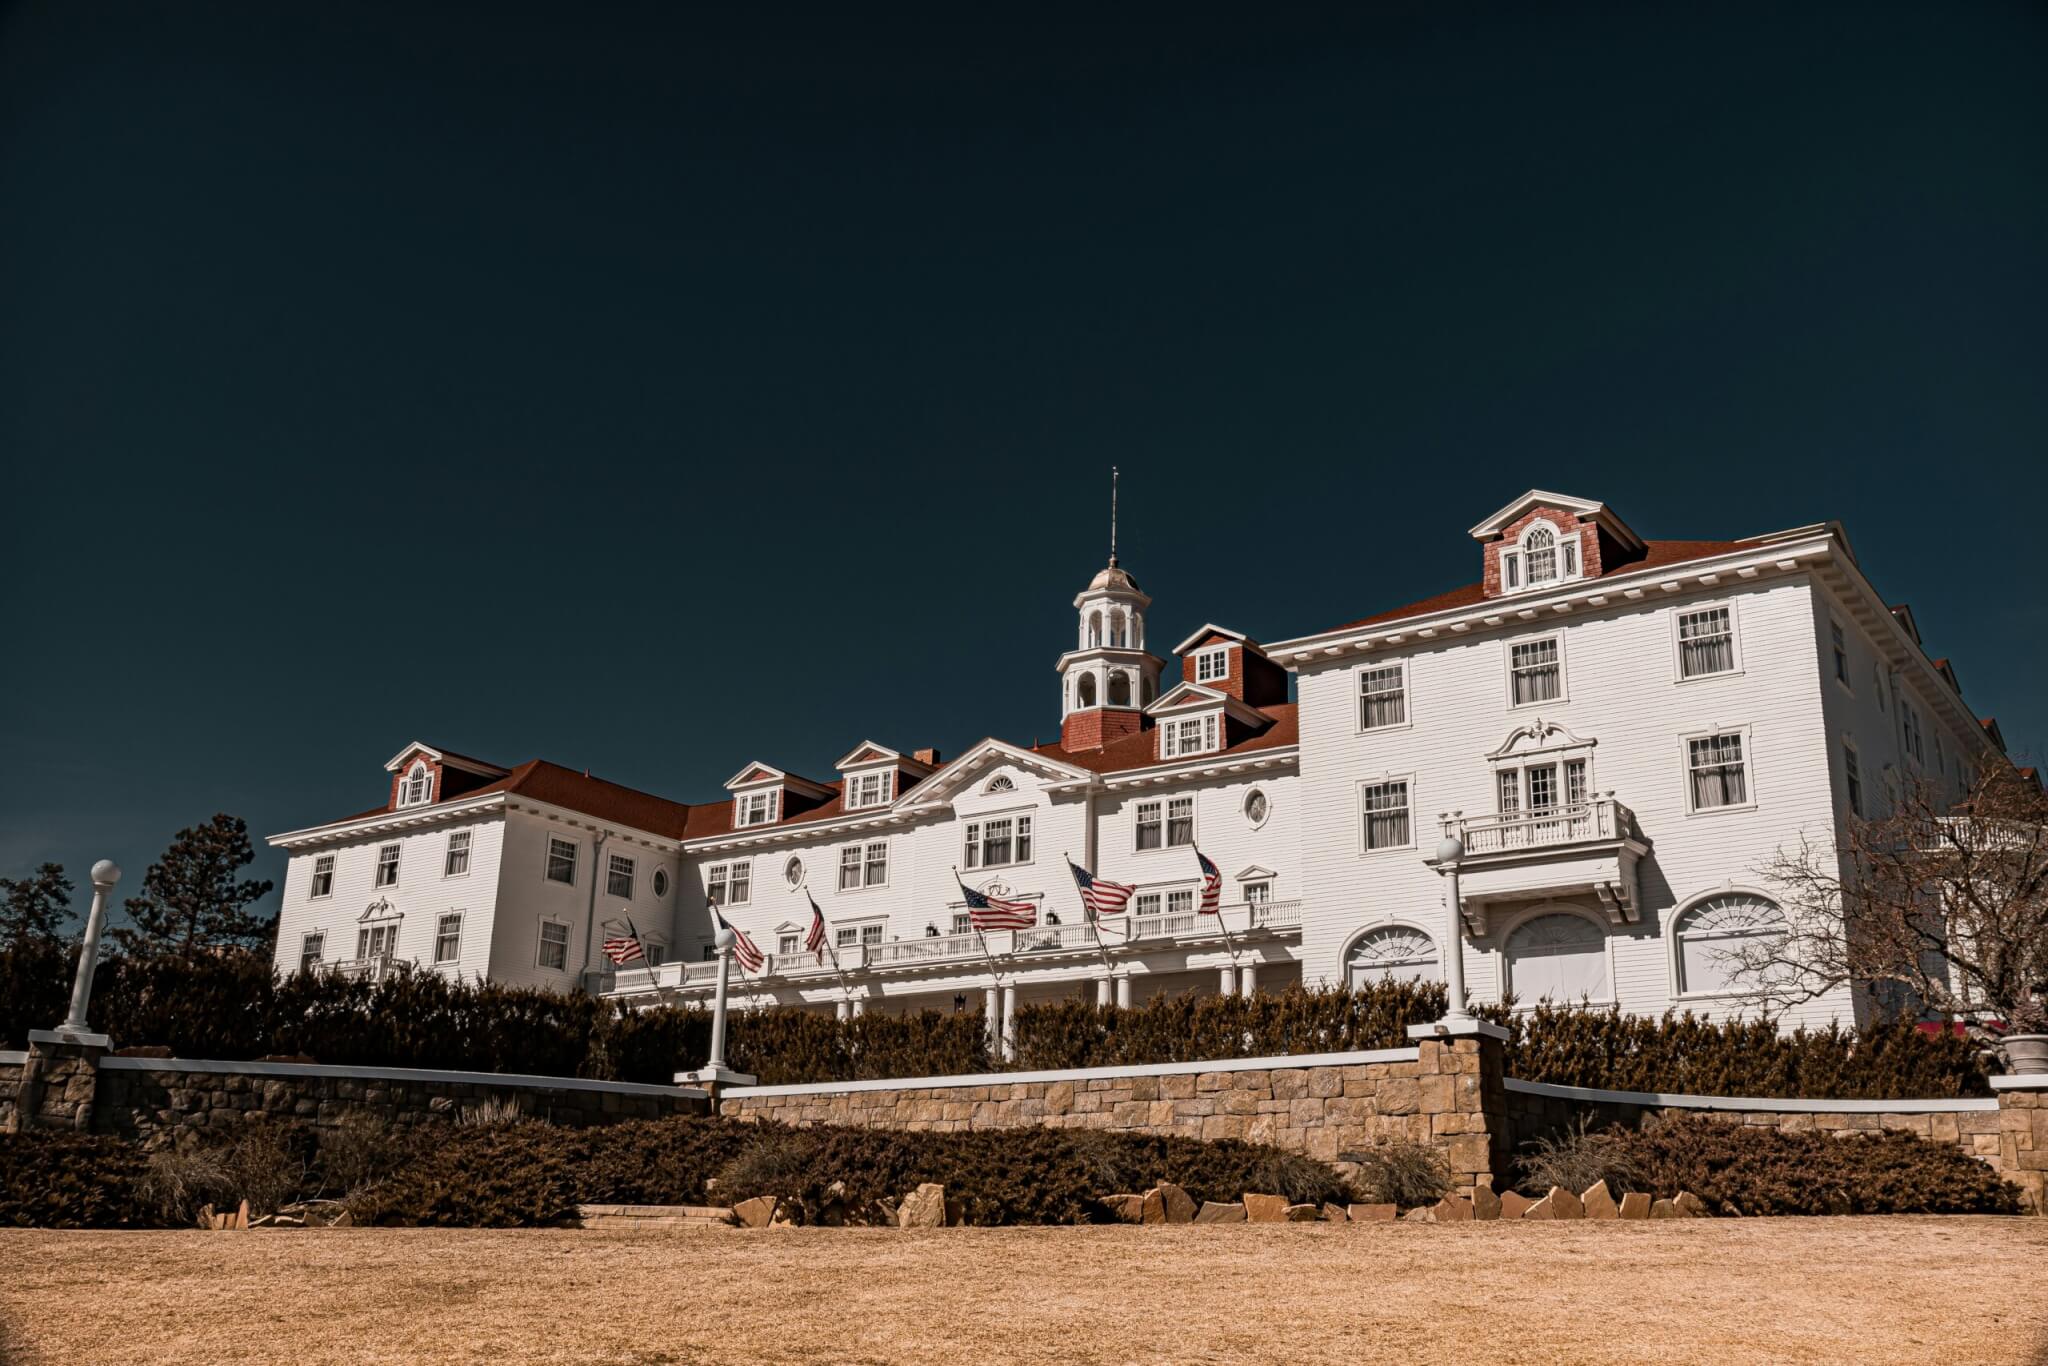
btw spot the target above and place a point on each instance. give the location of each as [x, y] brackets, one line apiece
[1940, 907]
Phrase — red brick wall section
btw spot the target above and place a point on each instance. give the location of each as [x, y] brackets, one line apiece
[1097, 726]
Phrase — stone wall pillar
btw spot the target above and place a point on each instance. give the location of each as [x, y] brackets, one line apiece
[59, 1081]
[2023, 1136]
[1461, 1065]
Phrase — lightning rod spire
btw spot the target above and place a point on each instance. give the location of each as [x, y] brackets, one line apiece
[1112, 515]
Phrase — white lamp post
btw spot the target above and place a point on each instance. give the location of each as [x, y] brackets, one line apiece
[714, 1073]
[74, 1029]
[1448, 854]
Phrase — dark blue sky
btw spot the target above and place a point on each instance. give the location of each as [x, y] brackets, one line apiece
[651, 391]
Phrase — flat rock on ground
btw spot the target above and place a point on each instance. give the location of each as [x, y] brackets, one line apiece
[1218, 1212]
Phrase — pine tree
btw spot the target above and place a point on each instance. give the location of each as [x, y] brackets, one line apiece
[191, 898]
[36, 907]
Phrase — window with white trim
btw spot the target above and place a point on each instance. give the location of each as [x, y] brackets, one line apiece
[1909, 729]
[457, 862]
[1386, 817]
[1852, 773]
[845, 937]
[377, 941]
[1542, 556]
[418, 787]
[1395, 953]
[660, 882]
[553, 949]
[1706, 642]
[310, 949]
[387, 866]
[1180, 822]
[872, 934]
[1145, 903]
[1180, 901]
[448, 938]
[869, 789]
[323, 877]
[788, 944]
[1533, 788]
[875, 864]
[793, 871]
[1717, 773]
[1841, 648]
[849, 868]
[561, 860]
[618, 876]
[1258, 892]
[1151, 830]
[1535, 671]
[1189, 735]
[1557, 957]
[757, 808]
[1257, 806]
[729, 884]
[997, 841]
[1383, 697]
[1213, 665]
[963, 923]
[1711, 938]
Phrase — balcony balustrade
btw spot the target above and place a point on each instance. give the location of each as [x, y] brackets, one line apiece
[1588, 849]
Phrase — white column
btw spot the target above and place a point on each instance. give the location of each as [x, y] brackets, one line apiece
[860, 1005]
[1247, 979]
[1123, 991]
[1009, 1048]
[104, 876]
[1226, 981]
[1102, 991]
[992, 1013]
[842, 1009]
[1448, 854]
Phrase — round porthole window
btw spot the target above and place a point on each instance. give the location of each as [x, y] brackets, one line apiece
[793, 872]
[1256, 808]
[661, 882]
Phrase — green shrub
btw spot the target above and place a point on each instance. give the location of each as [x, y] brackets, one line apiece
[1753, 1169]
[62, 1179]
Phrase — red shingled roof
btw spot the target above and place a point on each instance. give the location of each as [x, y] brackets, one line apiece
[1660, 554]
[551, 783]
[1142, 749]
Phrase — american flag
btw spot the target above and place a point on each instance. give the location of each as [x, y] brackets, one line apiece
[1099, 894]
[986, 912]
[749, 957]
[815, 940]
[1212, 886]
[622, 947]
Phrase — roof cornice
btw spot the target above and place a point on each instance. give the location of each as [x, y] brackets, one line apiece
[381, 821]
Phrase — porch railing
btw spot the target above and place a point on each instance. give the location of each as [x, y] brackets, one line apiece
[1505, 832]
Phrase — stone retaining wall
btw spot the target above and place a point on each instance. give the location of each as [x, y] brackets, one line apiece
[154, 1099]
[1441, 1093]
[10, 1087]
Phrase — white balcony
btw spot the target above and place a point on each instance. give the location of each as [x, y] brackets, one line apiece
[1589, 849]
[372, 969]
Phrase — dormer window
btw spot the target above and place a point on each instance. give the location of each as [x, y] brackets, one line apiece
[757, 808]
[418, 787]
[1213, 666]
[1542, 558]
[870, 789]
[1193, 735]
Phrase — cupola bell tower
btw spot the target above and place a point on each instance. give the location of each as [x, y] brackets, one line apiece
[1108, 678]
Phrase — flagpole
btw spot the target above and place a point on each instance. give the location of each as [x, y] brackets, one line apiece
[1228, 942]
[845, 988]
[994, 971]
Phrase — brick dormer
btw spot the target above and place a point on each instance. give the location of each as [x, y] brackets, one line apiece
[1545, 539]
[422, 775]
[1233, 664]
[1192, 719]
[872, 776]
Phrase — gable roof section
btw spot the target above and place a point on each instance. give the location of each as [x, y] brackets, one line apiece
[1583, 508]
[447, 758]
[1141, 750]
[1049, 760]
[1212, 629]
[540, 781]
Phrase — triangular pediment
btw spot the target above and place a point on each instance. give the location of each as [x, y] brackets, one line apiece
[1583, 509]
[754, 774]
[962, 773]
[868, 752]
[1254, 873]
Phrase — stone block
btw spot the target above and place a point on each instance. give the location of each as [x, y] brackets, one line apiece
[1564, 1204]
[1469, 1153]
[1635, 1205]
[1543, 1209]
[1224, 1126]
[1213, 1212]
[1303, 1214]
[1306, 1113]
[1288, 1084]
[1374, 1214]
[1323, 1082]
[1176, 1204]
[1665, 1209]
[1239, 1102]
[924, 1207]
[1059, 1098]
[1152, 1207]
[1454, 1209]
[1178, 1087]
[1485, 1204]
[1438, 1093]
[1335, 1214]
[1598, 1202]
[1689, 1206]
[758, 1212]
[1399, 1097]
[1265, 1209]
[1212, 1081]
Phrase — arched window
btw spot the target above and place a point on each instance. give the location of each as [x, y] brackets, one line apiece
[419, 783]
[1116, 630]
[1558, 956]
[1119, 689]
[1539, 547]
[1145, 693]
[1394, 953]
[1084, 695]
[1000, 783]
[1710, 938]
[1095, 628]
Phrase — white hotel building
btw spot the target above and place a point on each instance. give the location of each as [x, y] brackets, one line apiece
[1620, 731]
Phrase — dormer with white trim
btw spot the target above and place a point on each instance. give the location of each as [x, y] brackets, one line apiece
[763, 794]
[1194, 719]
[1542, 540]
[422, 775]
[1233, 663]
[874, 776]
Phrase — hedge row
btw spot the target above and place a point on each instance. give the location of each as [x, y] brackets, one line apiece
[232, 1007]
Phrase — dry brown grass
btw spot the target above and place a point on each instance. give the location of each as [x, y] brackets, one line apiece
[1805, 1290]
